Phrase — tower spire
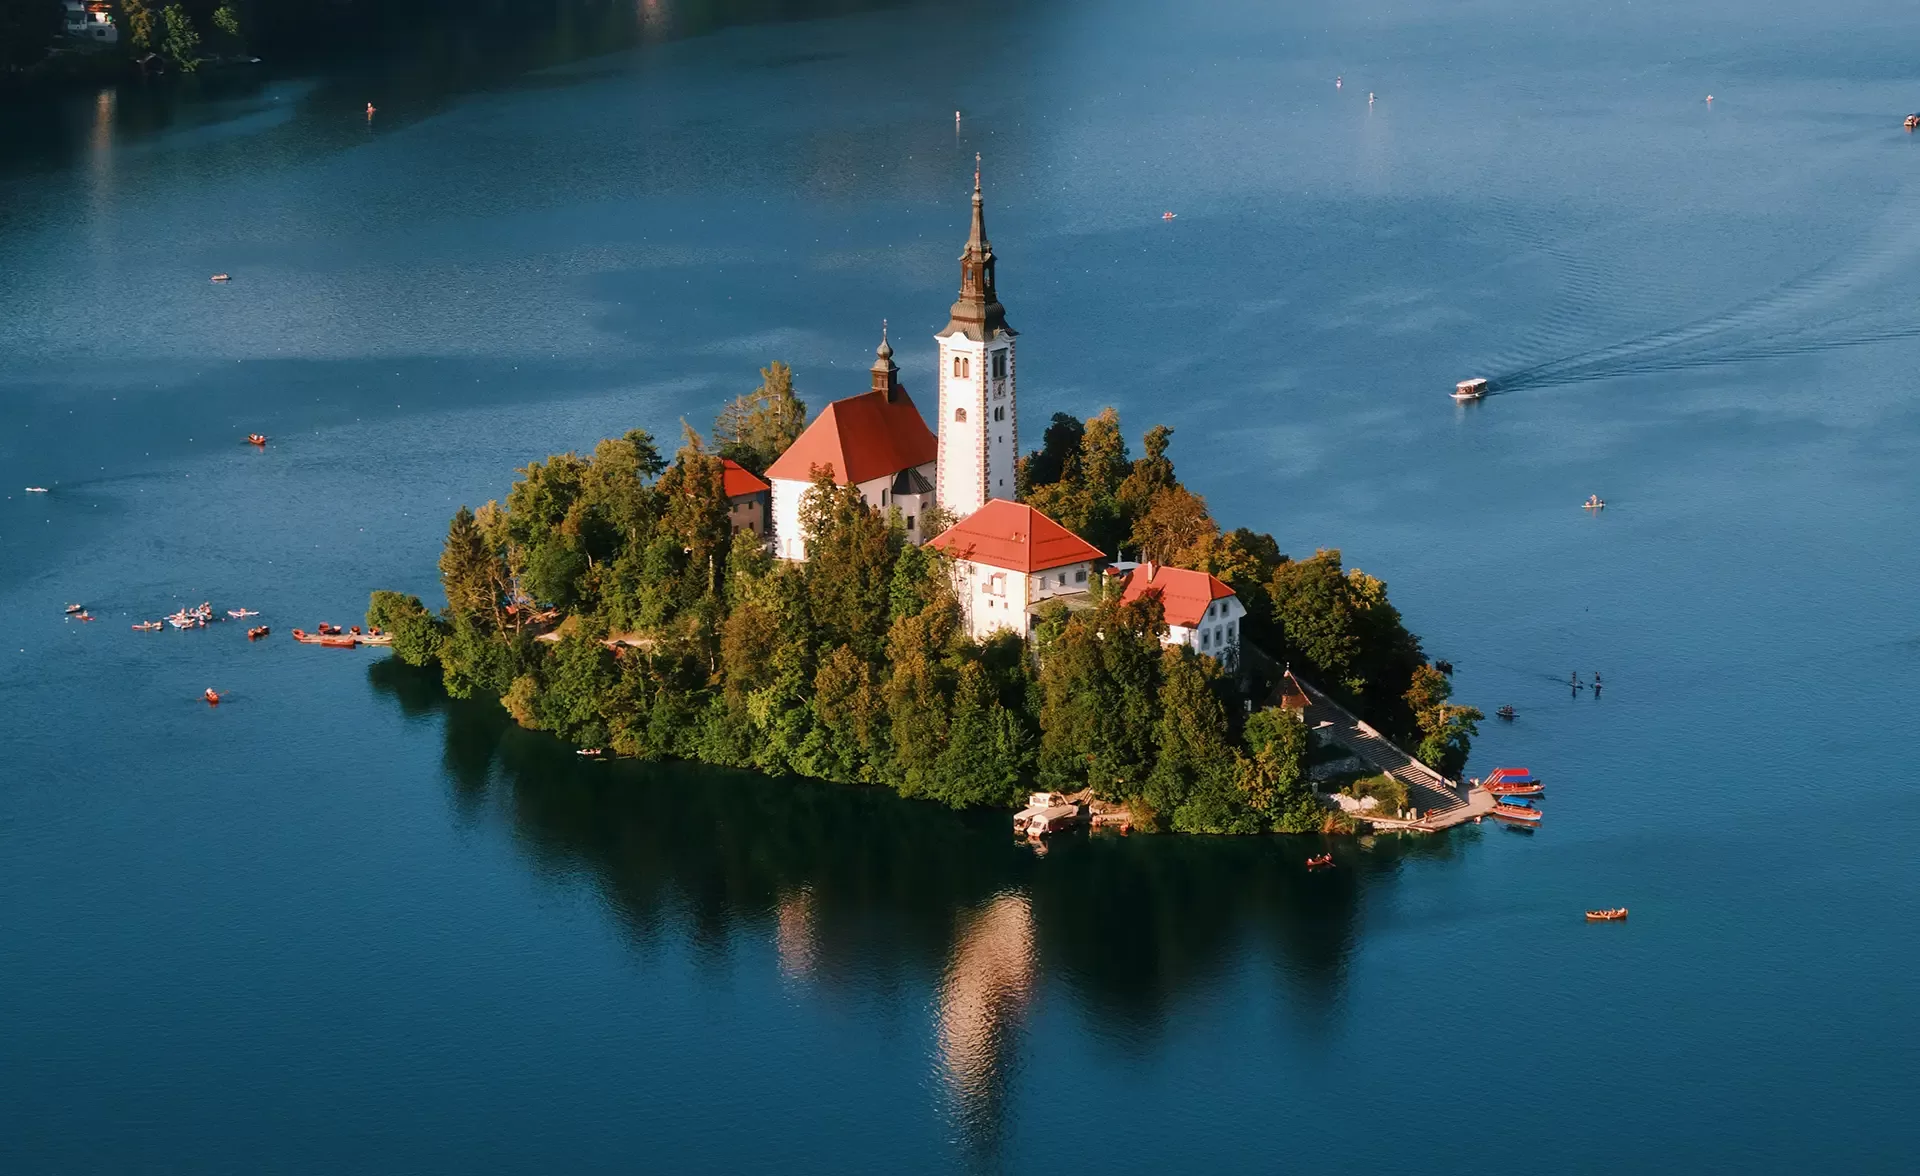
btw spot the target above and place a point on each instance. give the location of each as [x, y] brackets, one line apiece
[977, 313]
[886, 373]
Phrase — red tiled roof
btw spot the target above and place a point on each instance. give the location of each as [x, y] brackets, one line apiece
[1007, 535]
[860, 438]
[1184, 593]
[740, 481]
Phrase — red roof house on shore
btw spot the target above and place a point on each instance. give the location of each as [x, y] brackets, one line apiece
[747, 497]
[1201, 610]
[1008, 558]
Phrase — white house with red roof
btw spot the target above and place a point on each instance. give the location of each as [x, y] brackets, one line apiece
[875, 441]
[1008, 558]
[747, 497]
[1201, 610]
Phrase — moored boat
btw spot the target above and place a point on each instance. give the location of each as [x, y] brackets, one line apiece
[330, 640]
[1530, 788]
[1611, 915]
[1472, 389]
[1517, 812]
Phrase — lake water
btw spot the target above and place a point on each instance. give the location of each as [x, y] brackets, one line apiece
[339, 924]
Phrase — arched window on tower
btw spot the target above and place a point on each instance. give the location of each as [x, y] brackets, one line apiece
[960, 415]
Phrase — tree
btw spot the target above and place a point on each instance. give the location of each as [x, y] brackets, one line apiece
[1099, 687]
[1272, 776]
[1175, 528]
[988, 753]
[135, 21]
[1446, 731]
[1194, 770]
[227, 24]
[181, 47]
[757, 428]
[1045, 465]
[850, 566]
[1083, 500]
[417, 636]
[469, 572]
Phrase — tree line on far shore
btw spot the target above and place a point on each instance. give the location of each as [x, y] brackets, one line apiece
[678, 639]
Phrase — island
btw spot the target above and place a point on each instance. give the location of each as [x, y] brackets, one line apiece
[861, 599]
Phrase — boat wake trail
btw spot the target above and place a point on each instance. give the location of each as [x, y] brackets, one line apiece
[1786, 321]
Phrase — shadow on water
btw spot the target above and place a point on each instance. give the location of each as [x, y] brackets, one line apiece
[864, 893]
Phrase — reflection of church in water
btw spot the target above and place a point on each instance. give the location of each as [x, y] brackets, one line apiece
[982, 1000]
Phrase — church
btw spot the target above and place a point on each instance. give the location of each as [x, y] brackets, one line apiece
[878, 441]
[1007, 557]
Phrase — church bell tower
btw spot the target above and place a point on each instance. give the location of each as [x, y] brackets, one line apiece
[979, 433]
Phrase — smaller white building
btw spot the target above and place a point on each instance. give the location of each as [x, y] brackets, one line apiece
[91, 20]
[1008, 559]
[1201, 610]
[875, 441]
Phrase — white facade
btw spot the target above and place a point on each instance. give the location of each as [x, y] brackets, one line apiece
[91, 19]
[789, 540]
[978, 426]
[1217, 634]
[1001, 598]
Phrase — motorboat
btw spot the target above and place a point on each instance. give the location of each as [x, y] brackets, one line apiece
[1505, 712]
[1473, 389]
[36, 489]
[1611, 915]
[1526, 814]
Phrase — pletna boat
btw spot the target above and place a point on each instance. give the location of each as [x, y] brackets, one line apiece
[1472, 389]
[1517, 812]
[257, 438]
[1501, 788]
[1611, 915]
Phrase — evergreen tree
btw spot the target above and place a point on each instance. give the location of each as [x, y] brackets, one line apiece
[757, 428]
[1195, 770]
[850, 566]
[469, 572]
[1099, 687]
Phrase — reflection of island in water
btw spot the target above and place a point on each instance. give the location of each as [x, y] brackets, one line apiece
[861, 892]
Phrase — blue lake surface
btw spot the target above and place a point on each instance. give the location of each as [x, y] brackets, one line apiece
[339, 924]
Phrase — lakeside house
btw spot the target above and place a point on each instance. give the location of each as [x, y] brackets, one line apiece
[1201, 610]
[1008, 559]
[748, 498]
[91, 20]
[875, 441]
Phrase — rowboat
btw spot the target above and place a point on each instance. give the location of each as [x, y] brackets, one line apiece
[1321, 862]
[591, 752]
[1472, 389]
[221, 278]
[1607, 916]
[1594, 502]
[257, 438]
[212, 696]
[330, 640]
[257, 632]
[1532, 788]
[1517, 812]
[148, 627]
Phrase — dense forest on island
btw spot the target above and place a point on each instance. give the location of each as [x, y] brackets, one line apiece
[608, 601]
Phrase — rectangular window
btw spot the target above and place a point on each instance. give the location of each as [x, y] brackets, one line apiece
[1080, 577]
[1063, 579]
[909, 522]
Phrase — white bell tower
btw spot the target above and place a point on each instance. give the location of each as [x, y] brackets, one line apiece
[979, 431]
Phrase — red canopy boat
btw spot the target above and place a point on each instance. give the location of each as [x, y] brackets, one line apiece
[1532, 788]
[1517, 812]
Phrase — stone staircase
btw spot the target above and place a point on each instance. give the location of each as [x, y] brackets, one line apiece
[1427, 790]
